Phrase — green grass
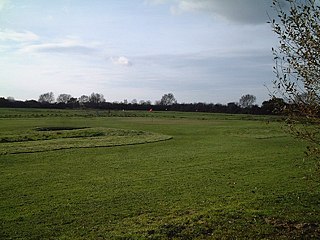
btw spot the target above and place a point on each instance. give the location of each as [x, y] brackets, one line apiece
[44, 139]
[219, 177]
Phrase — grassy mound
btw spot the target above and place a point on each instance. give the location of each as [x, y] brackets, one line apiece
[57, 138]
[57, 128]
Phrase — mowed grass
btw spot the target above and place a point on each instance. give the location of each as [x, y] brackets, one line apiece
[219, 177]
[43, 139]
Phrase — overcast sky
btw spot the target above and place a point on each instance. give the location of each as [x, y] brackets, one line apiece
[199, 50]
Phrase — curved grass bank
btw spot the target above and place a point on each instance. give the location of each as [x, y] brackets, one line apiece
[43, 139]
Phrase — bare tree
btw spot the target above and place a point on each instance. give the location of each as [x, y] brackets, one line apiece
[96, 98]
[11, 99]
[247, 101]
[168, 99]
[83, 99]
[46, 98]
[134, 101]
[297, 67]
[142, 102]
[63, 98]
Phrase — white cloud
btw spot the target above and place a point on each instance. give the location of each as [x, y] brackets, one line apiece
[123, 61]
[68, 45]
[24, 36]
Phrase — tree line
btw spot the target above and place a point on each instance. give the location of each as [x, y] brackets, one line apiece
[168, 102]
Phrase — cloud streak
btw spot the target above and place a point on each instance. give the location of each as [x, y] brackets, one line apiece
[24, 36]
[63, 46]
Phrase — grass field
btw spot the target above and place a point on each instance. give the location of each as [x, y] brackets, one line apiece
[160, 175]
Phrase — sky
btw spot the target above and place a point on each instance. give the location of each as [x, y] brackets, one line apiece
[209, 51]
